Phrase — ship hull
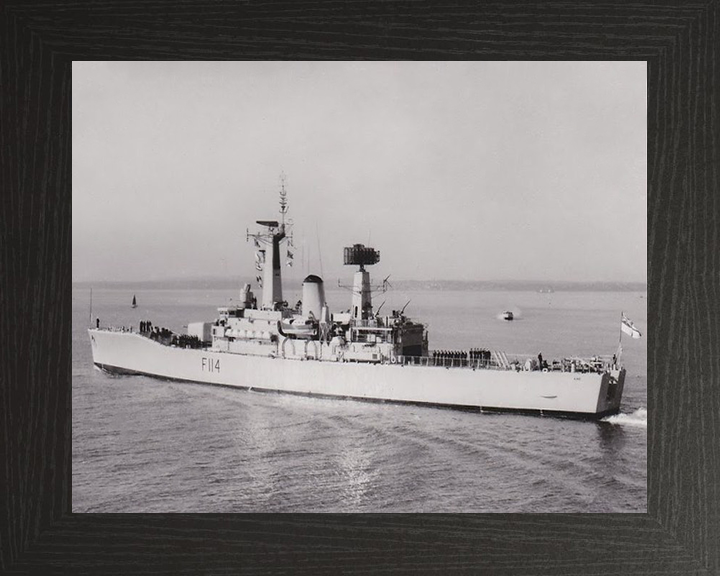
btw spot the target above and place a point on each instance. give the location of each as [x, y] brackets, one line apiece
[574, 394]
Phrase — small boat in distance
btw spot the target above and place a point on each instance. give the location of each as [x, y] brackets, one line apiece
[507, 315]
[134, 304]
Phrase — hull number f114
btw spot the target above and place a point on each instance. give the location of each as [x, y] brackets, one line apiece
[210, 365]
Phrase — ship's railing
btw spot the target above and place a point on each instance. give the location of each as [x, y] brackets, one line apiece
[163, 336]
[449, 362]
[119, 329]
[516, 362]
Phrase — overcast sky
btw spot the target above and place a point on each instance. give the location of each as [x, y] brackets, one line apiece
[464, 171]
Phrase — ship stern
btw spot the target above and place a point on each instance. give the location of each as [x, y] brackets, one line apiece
[611, 391]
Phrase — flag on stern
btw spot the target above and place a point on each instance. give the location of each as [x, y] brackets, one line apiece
[628, 327]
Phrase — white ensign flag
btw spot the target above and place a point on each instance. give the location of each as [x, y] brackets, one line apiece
[629, 328]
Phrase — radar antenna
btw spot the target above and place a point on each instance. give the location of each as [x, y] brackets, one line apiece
[361, 255]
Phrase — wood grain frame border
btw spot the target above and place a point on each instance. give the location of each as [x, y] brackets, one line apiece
[680, 532]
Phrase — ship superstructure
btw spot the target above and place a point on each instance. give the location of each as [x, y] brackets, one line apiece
[269, 345]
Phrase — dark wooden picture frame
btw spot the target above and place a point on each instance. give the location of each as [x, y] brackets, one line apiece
[680, 532]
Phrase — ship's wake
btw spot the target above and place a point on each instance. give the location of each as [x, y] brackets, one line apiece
[637, 418]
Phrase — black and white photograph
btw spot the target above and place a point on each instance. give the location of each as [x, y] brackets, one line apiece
[359, 287]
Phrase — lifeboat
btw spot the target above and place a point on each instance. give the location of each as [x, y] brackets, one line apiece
[298, 328]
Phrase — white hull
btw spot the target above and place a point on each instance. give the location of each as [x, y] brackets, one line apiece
[569, 393]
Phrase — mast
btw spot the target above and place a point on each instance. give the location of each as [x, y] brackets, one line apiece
[619, 351]
[283, 202]
[271, 239]
[272, 280]
[361, 255]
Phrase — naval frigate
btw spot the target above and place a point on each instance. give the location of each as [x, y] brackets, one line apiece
[357, 354]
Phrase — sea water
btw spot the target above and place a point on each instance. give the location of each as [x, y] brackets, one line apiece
[147, 445]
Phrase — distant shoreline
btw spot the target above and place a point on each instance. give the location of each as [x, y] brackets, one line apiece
[478, 285]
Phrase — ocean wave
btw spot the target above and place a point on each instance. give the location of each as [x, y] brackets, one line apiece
[637, 418]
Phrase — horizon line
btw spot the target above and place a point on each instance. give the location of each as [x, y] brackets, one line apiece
[194, 279]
